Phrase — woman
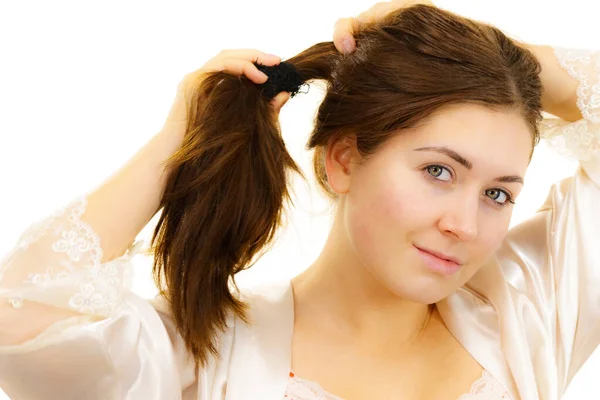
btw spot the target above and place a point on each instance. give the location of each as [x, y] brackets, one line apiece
[422, 141]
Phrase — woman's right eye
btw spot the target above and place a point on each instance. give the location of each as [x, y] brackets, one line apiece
[439, 172]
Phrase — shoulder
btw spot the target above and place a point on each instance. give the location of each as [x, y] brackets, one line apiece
[266, 294]
[270, 314]
[186, 365]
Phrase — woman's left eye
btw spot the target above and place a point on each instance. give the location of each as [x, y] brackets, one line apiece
[437, 171]
[499, 196]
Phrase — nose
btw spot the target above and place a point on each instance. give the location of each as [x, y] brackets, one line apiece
[460, 219]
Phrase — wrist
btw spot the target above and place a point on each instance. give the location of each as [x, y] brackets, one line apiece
[166, 143]
[176, 123]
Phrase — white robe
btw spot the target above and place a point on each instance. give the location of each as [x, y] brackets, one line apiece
[531, 317]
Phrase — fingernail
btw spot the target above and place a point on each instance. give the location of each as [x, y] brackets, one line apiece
[347, 45]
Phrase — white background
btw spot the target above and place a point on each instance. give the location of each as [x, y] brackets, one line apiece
[84, 84]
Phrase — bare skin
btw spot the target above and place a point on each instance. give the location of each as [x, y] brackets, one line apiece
[360, 335]
[430, 365]
[364, 327]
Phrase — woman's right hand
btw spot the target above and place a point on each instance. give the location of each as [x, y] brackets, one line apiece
[233, 62]
[237, 63]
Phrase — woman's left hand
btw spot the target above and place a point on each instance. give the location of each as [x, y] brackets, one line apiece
[343, 36]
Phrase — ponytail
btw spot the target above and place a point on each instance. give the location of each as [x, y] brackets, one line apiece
[224, 199]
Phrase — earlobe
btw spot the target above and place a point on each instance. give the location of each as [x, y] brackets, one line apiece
[338, 164]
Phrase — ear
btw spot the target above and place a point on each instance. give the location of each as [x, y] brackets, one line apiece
[340, 158]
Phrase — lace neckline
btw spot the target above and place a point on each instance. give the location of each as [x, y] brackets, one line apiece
[485, 388]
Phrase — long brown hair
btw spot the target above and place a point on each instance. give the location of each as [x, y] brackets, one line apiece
[226, 194]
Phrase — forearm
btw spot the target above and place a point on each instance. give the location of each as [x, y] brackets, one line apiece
[559, 96]
[120, 208]
[117, 210]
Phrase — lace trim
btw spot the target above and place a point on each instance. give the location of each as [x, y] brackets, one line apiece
[77, 239]
[580, 64]
[580, 139]
[94, 287]
[485, 388]
[301, 389]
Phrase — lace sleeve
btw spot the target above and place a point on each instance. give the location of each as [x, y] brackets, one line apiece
[57, 261]
[580, 139]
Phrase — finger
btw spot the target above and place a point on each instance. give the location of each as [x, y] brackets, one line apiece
[343, 34]
[377, 12]
[252, 73]
[279, 100]
[408, 3]
[252, 55]
[237, 67]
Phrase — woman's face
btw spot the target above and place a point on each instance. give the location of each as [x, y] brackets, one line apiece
[445, 187]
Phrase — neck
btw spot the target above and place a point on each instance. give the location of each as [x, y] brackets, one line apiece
[339, 294]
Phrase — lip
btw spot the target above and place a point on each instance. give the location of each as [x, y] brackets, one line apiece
[440, 255]
[439, 262]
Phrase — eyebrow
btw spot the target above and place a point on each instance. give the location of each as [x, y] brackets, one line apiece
[468, 164]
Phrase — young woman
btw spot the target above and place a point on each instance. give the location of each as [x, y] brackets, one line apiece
[421, 292]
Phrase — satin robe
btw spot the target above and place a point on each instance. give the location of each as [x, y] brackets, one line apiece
[531, 316]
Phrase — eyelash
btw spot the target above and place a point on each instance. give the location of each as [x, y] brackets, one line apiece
[509, 197]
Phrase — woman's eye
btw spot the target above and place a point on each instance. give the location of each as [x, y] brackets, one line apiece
[439, 172]
[443, 174]
[499, 196]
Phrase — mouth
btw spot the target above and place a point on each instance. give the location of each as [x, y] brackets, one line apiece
[439, 262]
[440, 255]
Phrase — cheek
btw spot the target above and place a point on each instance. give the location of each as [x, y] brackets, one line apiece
[382, 212]
[491, 237]
[368, 217]
[405, 207]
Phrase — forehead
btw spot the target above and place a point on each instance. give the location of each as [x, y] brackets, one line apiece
[492, 139]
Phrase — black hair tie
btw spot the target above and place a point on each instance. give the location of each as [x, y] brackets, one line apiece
[283, 77]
